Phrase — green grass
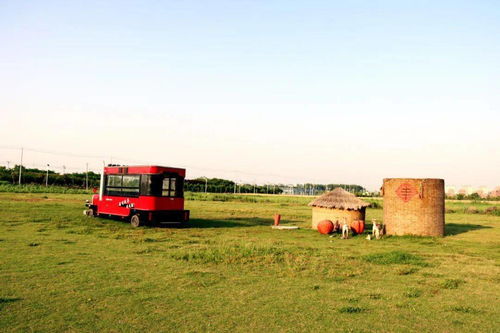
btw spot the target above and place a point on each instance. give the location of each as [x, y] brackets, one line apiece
[452, 283]
[229, 271]
[393, 258]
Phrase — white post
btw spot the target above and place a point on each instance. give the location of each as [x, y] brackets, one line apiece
[21, 166]
[206, 184]
[47, 177]
[101, 185]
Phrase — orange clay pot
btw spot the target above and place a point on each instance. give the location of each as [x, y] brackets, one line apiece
[325, 227]
[358, 226]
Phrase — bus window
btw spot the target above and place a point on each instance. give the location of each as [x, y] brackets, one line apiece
[130, 185]
[131, 181]
[172, 186]
[118, 185]
[113, 185]
[168, 187]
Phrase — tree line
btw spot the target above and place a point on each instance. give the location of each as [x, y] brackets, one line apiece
[37, 176]
[218, 185]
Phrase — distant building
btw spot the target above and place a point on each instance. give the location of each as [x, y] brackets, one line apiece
[288, 189]
[483, 191]
[495, 193]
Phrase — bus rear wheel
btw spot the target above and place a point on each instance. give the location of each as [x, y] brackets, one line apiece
[136, 221]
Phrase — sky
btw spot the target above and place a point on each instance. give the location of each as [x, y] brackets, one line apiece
[256, 91]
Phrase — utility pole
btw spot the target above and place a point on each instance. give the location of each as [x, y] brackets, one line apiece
[87, 176]
[47, 177]
[21, 166]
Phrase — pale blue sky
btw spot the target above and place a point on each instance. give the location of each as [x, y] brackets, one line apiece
[288, 91]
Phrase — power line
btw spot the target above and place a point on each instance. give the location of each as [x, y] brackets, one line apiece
[142, 162]
[59, 153]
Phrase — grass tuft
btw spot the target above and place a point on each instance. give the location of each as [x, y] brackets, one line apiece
[452, 283]
[351, 309]
[374, 296]
[407, 270]
[394, 258]
[235, 254]
[465, 309]
[413, 293]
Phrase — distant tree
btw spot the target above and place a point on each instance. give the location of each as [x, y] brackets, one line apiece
[474, 196]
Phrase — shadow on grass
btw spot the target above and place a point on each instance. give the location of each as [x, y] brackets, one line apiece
[452, 229]
[209, 223]
[6, 300]
[231, 223]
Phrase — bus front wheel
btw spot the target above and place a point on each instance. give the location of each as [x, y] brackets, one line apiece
[135, 221]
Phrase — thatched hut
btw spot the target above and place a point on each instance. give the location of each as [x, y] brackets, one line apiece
[337, 205]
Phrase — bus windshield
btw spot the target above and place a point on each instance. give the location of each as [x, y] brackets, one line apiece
[164, 185]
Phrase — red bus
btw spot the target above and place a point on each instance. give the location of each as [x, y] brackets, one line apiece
[144, 195]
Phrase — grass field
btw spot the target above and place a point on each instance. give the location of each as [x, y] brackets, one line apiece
[61, 271]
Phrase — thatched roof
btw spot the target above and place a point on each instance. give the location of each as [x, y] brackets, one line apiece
[339, 199]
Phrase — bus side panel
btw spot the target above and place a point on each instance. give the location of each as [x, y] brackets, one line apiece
[121, 206]
[170, 203]
[159, 203]
[112, 205]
